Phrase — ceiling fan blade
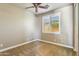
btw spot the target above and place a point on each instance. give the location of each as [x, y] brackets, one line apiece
[29, 7]
[44, 7]
[38, 3]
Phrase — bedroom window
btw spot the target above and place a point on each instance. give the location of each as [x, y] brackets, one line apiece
[51, 23]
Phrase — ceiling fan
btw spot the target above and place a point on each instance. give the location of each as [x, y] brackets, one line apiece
[37, 5]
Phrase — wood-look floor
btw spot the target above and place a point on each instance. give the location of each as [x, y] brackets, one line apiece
[39, 49]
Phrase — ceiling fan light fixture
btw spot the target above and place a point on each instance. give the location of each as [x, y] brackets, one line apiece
[37, 5]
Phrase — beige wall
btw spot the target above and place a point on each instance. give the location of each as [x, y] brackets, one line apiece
[66, 36]
[14, 27]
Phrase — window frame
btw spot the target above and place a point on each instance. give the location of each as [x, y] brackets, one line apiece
[50, 15]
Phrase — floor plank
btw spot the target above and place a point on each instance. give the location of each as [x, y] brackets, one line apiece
[39, 49]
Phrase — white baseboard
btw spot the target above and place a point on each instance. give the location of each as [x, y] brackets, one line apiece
[56, 44]
[2, 50]
[5, 49]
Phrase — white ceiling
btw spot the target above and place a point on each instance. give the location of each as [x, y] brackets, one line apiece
[52, 6]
